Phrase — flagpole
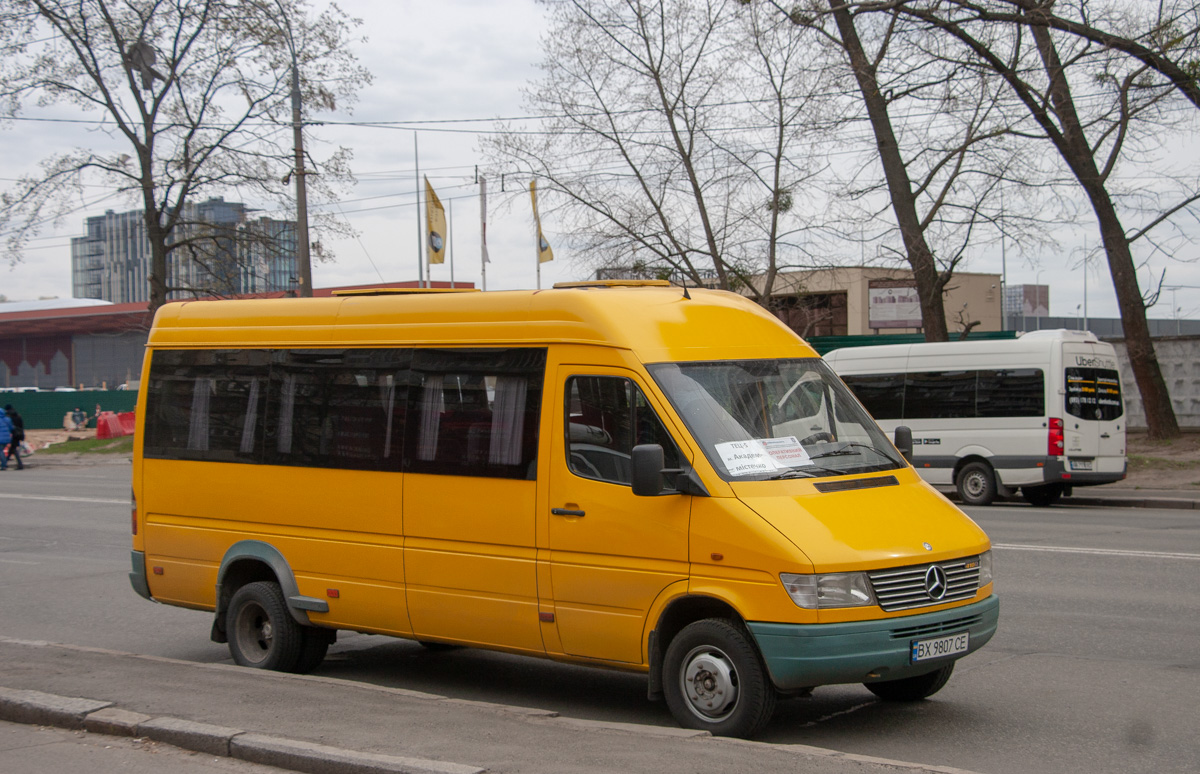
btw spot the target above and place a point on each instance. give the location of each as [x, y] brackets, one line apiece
[537, 236]
[483, 256]
[420, 229]
[450, 238]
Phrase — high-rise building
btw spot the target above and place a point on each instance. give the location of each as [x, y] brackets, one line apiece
[219, 249]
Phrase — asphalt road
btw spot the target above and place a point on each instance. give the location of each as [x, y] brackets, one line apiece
[1095, 668]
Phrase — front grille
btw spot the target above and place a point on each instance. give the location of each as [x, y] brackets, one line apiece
[903, 588]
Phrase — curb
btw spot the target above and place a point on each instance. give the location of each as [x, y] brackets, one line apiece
[1101, 501]
[45, 709]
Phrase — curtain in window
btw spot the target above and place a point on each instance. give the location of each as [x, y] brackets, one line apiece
[251, 421]
[508, 421]
[198, 422]
[387, 396]
[287, 410]
[433, 403]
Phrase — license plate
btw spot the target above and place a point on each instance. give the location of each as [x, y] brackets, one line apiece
[941, 647]
[1081, 464]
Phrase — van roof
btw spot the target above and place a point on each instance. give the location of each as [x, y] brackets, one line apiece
[657, 321]
[1031, 342]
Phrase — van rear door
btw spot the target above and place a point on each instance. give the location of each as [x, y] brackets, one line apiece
[1093, 411]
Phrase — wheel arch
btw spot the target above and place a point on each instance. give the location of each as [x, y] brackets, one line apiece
[677, 614]
[248, 561]
[970, 457]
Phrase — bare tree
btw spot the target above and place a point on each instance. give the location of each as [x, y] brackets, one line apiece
[191, 94]
[678, 138]
[940, 174]
[1129, 113]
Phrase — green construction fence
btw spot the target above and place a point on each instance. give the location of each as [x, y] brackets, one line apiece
[45, 410]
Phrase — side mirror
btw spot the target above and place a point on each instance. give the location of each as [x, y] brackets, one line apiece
[647, 470]
[904, 443]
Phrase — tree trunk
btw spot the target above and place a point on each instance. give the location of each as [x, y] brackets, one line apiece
[1077, 153]
[920, 257]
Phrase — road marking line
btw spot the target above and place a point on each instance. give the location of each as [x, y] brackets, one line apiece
[16, 561]
[1100, 551]
[65, 499]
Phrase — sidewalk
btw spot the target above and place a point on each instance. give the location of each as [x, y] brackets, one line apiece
[319, 724]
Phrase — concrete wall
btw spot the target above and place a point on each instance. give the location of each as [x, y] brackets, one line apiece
[1179, 360]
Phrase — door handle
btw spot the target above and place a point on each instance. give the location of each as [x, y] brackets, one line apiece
[1105, 435]
[566, 512]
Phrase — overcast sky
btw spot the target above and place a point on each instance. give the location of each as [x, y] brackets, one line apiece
[469, 59]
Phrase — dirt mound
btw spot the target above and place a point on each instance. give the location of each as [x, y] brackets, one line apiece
[1173, 464]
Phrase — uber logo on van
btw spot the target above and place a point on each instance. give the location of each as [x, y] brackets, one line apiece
[1095, 362]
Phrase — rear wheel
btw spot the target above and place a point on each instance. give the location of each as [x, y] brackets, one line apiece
[976, 483]
[714, 680]
[261, 631]
[1042, 496]
[912, 688]
[316, 645]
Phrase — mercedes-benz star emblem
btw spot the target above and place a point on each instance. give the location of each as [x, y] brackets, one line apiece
[935, 582]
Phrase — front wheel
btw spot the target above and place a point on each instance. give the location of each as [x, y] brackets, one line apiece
[262, 633]
[714, 680]
[912, 688]
[976, 483]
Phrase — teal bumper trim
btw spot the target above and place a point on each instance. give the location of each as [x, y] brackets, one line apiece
[807, 655]
[137, 576]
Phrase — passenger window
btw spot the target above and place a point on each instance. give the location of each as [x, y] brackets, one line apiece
[207, 405]
[337, 408]
[606, 417]
[881, 394]
[476, 412]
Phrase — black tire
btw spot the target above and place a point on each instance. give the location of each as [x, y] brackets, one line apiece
[261, 631]
[316, 645]
[976, 483]
[912, 688]
[1042, 496]
[714, 680]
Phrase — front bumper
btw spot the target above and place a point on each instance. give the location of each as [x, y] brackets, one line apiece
[807, 655]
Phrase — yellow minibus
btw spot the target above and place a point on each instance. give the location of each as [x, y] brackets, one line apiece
[624, 474]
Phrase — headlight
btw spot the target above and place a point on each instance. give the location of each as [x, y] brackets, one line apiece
[985, 568]
[843, 589]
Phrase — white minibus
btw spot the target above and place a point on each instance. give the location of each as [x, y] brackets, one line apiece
[1041, 413]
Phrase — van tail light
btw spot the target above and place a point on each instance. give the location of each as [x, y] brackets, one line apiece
[133, 510]
[1054, 441]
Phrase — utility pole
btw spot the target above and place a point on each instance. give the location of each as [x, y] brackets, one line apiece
[303, 261]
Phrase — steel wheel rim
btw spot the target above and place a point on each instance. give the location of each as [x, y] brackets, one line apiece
[254, 632]
[709, 683]
[975, 484]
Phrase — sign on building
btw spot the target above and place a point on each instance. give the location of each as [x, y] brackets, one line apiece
[893, 304]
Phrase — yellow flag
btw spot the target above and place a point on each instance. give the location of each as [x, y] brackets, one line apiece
[544, 252]
[435, 226]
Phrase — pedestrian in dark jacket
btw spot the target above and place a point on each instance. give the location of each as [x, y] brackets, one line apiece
[6, 433]
[18, 436]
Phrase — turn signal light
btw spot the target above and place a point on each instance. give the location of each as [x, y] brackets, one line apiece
[133, 506]
[1054, 441]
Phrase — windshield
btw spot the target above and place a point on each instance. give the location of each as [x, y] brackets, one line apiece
[758, 420]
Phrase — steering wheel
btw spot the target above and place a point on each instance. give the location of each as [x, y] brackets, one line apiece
[818, 438]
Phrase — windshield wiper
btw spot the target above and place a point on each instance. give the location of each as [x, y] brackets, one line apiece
[793, 473]
[846, 450]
